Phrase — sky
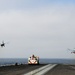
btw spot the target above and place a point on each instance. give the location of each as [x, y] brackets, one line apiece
[45, 28]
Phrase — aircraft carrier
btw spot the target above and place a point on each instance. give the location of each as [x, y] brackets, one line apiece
[41, 69]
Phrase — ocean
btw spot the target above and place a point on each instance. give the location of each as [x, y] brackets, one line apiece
[12, 61]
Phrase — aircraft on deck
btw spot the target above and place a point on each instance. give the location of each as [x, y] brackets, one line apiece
[72, 50]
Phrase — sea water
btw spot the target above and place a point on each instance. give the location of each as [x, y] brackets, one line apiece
[58, 61]
[12, 61]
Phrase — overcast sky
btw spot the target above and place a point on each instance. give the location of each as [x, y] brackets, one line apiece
[45, 28]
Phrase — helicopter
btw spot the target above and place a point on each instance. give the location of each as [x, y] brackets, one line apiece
[2, 44]
[72, 50]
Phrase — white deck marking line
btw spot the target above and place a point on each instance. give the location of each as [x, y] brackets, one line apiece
[41, 70]
[72, 67]
[45, 70]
